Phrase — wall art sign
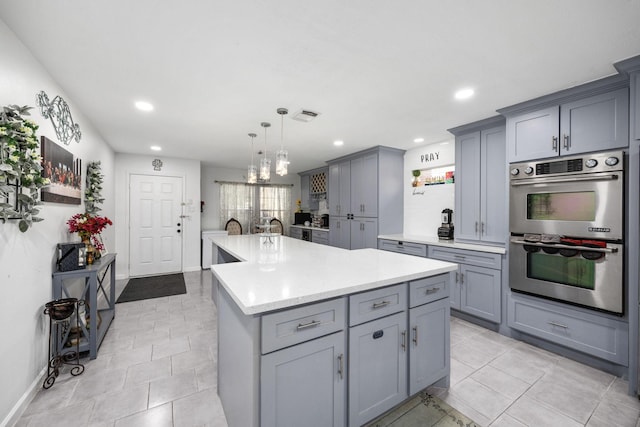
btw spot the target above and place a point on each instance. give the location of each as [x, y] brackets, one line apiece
[64, 172]
[60, 115]
[157, 164]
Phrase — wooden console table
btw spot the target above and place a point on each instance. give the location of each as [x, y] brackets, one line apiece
[100, 319]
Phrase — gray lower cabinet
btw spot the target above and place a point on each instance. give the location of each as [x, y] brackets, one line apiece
[478, 281]
[320, 236]
[295, 232]
[305, 384]
[357, 233]
[377, 367]
[409, 248]
[598, 335]
[429, 344]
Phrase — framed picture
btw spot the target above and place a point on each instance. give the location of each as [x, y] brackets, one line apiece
[65, 174]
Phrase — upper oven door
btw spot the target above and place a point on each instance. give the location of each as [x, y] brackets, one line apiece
[581, 205]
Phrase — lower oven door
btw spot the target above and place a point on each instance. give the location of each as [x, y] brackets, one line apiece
[590, 277]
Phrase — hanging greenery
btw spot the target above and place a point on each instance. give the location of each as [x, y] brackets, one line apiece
[92, 196]
[20, 167]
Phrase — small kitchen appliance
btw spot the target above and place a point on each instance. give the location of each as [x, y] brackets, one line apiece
[445, 231]
[301, 217]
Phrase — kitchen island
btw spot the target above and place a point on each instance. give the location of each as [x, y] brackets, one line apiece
[315, 335]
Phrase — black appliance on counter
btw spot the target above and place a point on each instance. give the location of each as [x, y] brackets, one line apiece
[301, 217]
[324, 223]
[445, 231]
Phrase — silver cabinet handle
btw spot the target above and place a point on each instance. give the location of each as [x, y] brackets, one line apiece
[461, 257]
[559, 325]
[432, 290]
[457, 277]
[566, 144]
[381, 304]
[476, 226]
[340, 365]
[404, 339]
[338, 224]
[482, 227]
[308, 325]
[554, 142]
[415, 335]
[462, 278]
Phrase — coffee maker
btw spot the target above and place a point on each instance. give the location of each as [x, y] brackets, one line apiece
[445, 232]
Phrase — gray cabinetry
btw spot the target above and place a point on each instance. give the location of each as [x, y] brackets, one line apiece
[598, 335]
[579, 125]
[480, 203]
[377, 367]
[305, 384]
[313, 187]
[429, 344]
[320, 236]
[477, 286]
[417, 249]
[295, 232]
[356, 189]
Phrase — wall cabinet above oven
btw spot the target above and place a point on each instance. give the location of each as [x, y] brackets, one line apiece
[592, 117]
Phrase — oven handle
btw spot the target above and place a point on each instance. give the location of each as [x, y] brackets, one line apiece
[560, 246]
[594, 177]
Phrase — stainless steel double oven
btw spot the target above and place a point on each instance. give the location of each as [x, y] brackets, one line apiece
[566, 223]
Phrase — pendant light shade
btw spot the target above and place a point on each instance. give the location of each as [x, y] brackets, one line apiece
[252, 170]
[265, 163]
[282, 156]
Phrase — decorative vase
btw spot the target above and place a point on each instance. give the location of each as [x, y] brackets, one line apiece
[90, 250]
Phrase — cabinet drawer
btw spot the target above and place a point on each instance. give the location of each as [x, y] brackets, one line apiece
[295, 232]
[428, 289]
[416, 249]
[596, 335]
[321, 237]
[289, 327]
[375, 304]
[462, 256]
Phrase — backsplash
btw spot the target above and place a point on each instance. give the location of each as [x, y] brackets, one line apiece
[435, 190]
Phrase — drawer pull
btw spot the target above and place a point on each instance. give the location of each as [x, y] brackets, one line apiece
[381, 304]
[404, 338]
[340, 365]
[462, 257]
[432, 291]
[308, 325]
[415, 335]
[559, 325]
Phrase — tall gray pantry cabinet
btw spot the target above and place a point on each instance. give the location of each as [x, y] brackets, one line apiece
[365, 197]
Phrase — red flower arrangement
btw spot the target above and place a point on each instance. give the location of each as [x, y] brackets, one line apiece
[88, 226]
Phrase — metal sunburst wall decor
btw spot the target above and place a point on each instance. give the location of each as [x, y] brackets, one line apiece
[60, 115]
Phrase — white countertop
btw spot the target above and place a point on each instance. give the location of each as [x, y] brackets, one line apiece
[290, 272]
[310, 227]
[428, 240]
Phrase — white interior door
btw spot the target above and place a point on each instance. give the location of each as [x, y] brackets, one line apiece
[155, 226]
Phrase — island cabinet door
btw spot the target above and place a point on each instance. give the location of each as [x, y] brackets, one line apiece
[305, 385]
[429, 344]
[377, 367]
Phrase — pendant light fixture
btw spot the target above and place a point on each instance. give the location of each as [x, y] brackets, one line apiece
[265, 163]
[282, 156]
[252, 170]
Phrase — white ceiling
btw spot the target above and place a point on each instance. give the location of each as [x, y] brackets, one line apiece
[379, 72]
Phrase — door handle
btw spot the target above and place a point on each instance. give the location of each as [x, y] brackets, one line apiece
[415, 335]
[554, 142]
[462, 278]
[178, 224]
[340, 365]
[404, 343]
[566, 143]
[178, 230]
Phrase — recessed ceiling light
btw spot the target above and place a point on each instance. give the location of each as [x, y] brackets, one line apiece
[144, 106]
[465, 93]
[338, 143]
[156, 148]
[417, 140]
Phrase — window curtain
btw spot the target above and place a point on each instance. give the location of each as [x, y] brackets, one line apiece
[237, 201]
[247, 203]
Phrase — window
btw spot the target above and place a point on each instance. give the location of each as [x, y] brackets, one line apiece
[247, 203]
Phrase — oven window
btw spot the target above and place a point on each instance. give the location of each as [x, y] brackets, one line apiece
[569, 206]
[573, 271]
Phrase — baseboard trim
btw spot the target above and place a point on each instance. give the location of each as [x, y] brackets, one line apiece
[21, 405]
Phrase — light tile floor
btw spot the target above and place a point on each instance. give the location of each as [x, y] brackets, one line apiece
[157, 367]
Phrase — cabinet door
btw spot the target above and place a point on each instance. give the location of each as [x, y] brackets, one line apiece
[364, 186]
[339, 196]
[364, 233]
[480, 292]
[295, 232]
[340, 232]
[305, 384]
[304, 191]
[429, 345]
[600, 122]
[467, 194]
[493, 179]
[377, 367]
[533, 135]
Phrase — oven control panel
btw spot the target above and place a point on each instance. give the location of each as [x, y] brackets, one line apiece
[582, 164]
